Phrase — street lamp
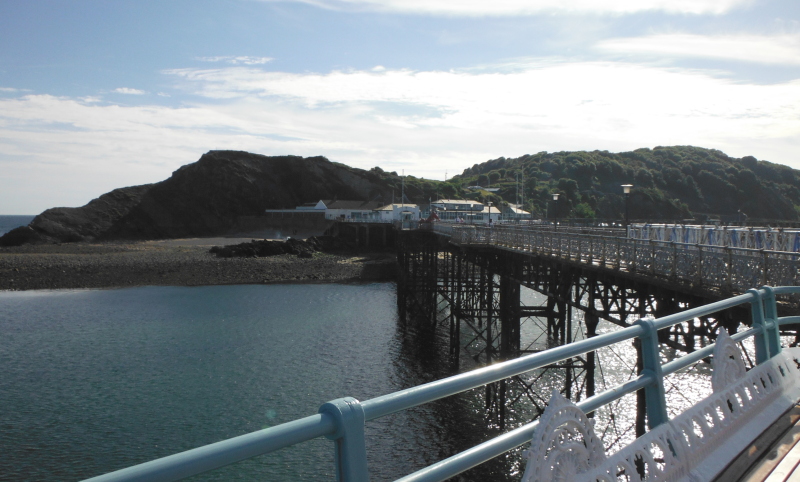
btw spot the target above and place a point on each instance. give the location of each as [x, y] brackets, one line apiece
[626, 188]
[555, 210]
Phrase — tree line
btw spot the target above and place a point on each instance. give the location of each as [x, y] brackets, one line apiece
[670, 183]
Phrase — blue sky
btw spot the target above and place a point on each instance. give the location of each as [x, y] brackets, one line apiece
[96, 95]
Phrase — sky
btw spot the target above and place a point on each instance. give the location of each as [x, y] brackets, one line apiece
[96, 95]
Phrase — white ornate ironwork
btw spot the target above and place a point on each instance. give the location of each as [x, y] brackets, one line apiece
[728, 362]
[735, 237]
[564, 444]
[699, 443]
[729, 268]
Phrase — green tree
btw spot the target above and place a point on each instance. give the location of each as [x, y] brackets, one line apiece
[584, 211]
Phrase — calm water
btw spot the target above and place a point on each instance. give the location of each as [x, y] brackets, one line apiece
[96, 380]
[7, 223]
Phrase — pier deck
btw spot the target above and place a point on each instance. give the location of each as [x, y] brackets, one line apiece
[773, 457]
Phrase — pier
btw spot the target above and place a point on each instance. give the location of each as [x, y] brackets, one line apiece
[468, 278]
[679, 305]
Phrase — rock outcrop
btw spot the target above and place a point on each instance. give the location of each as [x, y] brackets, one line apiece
[204, 198]
[265, 247]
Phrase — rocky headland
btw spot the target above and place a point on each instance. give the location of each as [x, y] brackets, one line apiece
[214, 196]
[160, 234]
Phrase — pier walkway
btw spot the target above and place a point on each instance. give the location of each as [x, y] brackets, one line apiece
[724, 269]
[699, 443]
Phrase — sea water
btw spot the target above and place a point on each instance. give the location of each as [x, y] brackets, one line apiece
[98, 380]
[9, 222]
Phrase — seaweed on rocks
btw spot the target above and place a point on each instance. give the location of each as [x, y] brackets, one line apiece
[265, 247]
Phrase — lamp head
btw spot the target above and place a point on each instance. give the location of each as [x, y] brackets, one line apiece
[555, 196]
[626, 188]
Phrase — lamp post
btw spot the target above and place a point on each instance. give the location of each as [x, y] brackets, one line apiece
[555, 210]
[626, 188]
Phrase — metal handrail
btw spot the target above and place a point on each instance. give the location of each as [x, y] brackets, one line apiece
[728, 269]
[343, 419]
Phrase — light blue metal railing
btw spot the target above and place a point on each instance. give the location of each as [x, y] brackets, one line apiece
[343, 420]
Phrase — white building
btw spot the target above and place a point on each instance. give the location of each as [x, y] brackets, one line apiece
[466, 211]
[398, 212]
[514, 213]
[345, 210]
[363, 211]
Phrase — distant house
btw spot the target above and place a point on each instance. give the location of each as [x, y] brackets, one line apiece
[352, 210]
[465, 210]
[480, 188]
[398, 212]
[365, 211]
[514, 213]
[491, 214]
[458, 205]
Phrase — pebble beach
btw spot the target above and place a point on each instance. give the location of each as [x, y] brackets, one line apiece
[183, 262]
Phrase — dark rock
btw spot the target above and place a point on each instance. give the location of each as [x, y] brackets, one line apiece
[205, 198]
[24, 235]
[265, 248]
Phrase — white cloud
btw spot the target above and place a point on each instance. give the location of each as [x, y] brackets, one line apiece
[424, 122]
[129, 91]
[776, 49]
[240, 60]
[532, 7]
[548, 95]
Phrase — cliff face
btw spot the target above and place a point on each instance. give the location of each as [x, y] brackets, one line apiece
[204, 198]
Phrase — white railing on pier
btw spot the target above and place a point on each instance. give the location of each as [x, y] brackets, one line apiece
[729, 269]
[752, 237]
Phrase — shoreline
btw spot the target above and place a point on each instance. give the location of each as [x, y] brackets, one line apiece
[181, 262]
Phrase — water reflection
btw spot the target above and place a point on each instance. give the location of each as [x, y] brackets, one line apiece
[98, 380]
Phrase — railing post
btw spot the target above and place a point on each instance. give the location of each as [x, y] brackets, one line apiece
[605, 252]
[771, 321]
[652, 257]
[651, 365]
[351, 451]
[760, 339]
[699, 274]
[674, 273]
[730, 267]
